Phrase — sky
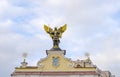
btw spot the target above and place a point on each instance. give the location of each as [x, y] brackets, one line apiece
[93, 26]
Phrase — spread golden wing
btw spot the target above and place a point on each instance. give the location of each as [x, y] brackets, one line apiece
[62, 29]
[48, 29]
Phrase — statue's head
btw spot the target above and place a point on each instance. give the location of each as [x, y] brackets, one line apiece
[55, 28]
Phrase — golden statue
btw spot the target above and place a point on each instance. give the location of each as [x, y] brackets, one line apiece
[55, 34]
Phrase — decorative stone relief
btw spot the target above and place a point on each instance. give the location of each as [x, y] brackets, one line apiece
[55, 61]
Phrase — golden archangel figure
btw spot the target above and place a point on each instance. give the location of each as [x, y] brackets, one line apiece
[55, 34]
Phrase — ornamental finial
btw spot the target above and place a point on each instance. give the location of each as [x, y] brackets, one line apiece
[87, 55]
[24, 55]
[24, 63]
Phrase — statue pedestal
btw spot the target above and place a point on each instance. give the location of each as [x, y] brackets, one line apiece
[56, 52]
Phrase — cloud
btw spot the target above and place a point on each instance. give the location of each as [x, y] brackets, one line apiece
[9, 11]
